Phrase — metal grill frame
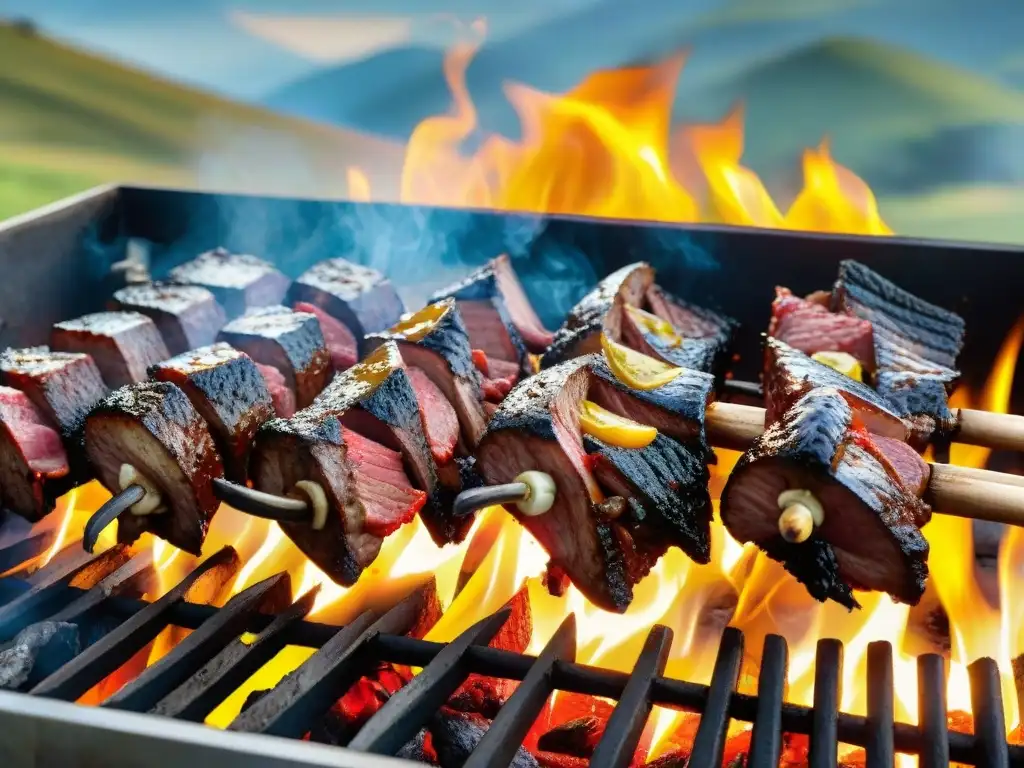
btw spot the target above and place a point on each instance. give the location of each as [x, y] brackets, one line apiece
[37, 730]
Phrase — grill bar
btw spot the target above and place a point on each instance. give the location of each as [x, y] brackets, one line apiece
[344, 654]
[626, 723]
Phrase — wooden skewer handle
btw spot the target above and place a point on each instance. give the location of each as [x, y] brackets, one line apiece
[734, 426]
[1000, 431]
[965, 492]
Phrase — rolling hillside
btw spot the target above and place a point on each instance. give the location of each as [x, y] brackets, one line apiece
[69, 120]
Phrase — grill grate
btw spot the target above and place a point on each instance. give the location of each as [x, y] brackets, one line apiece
[212, 662]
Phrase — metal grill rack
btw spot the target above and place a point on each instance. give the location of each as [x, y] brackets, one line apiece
[212, 661]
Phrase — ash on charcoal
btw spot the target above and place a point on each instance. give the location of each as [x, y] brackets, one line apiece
[456, 735]
[577, 737]
[419, 749]
[36, 652]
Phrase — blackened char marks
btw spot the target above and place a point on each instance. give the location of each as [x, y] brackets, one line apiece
[360, 297]
[676, 408]
[123, 344]
[63, 385]
[871, 524]
[694, 322]
[666, 488]
[227, 389]
[239, 281]
[154, 427]
[537, 428]
[813, 564]
[290, 341]
[187, 316]
[597, 312]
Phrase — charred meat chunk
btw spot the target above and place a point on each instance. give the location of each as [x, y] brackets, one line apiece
[355, 443]
[151, 434]
[340, 342]
[187, 316]
[869, 534]
[916, 345]
[693, 322]
[500, 320]
[291, 342]
[810, 327]
[360, 297]
[64, 386]
[229, 391]
[789, 374]
[34, 469]
[435, 340]
[600, 311]
[123, 344]
[238, 281]
[657, 338]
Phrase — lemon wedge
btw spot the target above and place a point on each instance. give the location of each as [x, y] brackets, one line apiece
[635, 369]
[663, 329]
[613, 429]
[842, 362]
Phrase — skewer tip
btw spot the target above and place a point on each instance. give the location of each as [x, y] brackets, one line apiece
[118, 504]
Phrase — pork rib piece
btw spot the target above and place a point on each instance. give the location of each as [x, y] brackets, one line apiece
[227, 389]
[355, 441]
[187, 316]
[154, 428]
[123, 344]
[360, 297]
[600, 311]
[34, 469]
[340, 342]
[64, 386]
[291, 342]
[238, 281]
[603, 549]
[810, 327]
[870, 537]
[916, 346]
[789, 374]
[435, 340]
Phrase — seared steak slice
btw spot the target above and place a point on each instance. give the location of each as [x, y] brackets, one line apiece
[64, 386]
[677, 408]
[34, 469]
[336, 443]
[440, 422]
[790, 374]
[916, 346]
[525, 319]
[238, 281]
[290, 341]
[339, 339]
[187, 316]
[599, 311]
[360, 297]
[693, 322]
[123, 344]
[870, 536]
[154, 428]
[665, 486]
[435, 340]
[229, 391]
[645, 333]
[808, 326]
[281, 395]
[537, 428]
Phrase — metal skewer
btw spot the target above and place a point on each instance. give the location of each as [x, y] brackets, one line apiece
[259, 504]
[469, 501]
[109, 512]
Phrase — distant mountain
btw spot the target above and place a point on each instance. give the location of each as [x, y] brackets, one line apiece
[901, 120]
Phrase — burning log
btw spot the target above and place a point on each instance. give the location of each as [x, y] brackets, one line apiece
[36, 652]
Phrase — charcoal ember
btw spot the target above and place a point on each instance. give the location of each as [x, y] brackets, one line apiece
[344, 719]
[289, 341]
[857, 758]
[568, 707]
[187, 316]
[238, 281]
[123, 344]
[485, 695]
[677, 759]
[36, 652]
[360, 297]
[457, 734]
[577, 737]
[556, 760]
[430, 612]
[420, 749]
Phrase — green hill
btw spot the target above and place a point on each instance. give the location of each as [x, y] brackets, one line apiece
[69, 120]
[870, 98]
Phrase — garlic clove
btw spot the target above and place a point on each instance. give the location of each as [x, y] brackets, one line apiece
[796, 524]
[541, 496]
[152, 502]
[807, 499]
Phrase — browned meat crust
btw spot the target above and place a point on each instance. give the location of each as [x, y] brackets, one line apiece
[123, 344]
[187, 316]
[238, 281]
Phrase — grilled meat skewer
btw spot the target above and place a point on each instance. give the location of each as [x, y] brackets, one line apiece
[123, 344]
[239, 282]
[187, 316]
